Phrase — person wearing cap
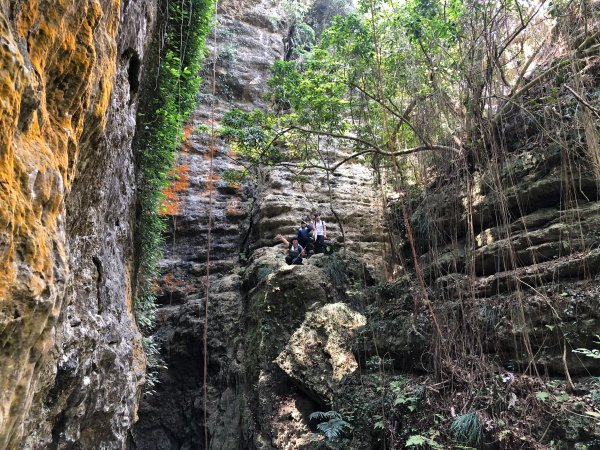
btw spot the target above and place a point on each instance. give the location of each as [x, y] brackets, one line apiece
[320, 233]
[295, 250]
[304, 236]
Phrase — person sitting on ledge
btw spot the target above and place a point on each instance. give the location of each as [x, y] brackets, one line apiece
[295, 250]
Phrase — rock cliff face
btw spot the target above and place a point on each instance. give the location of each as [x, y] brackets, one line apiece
[71, 362]
[249, 39]
[246, 220]
[517, 279]
[527, 255]
[512, 264]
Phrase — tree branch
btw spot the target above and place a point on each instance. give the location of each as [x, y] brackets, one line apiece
[339, 136]
[373, 148]
[535, 9]
[584, 102]
[533, 82]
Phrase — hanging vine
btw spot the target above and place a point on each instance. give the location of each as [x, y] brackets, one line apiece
[170, 87]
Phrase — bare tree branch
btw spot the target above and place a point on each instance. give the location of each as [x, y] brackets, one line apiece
[534, 10]
[584, 101]
[339, 136]
[533, 82]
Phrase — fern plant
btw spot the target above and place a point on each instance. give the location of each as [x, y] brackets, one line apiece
[332, 425]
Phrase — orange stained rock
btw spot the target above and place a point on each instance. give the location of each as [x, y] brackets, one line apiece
[56, 75]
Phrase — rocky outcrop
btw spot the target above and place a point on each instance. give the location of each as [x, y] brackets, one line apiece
[355, 205]
[318, 354]
[298, 347]
[72, 363]
[534, 246]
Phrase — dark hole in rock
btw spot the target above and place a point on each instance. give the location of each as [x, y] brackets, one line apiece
[171, 298]
[133, 71]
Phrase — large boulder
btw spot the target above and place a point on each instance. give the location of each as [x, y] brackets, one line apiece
[318, 355]
[279, 304]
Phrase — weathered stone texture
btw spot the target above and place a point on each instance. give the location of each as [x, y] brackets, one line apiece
[318, 355]
[247, 44]
[245, 221]
[71, 362]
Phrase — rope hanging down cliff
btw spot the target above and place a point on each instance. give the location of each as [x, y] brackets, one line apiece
[209, 182]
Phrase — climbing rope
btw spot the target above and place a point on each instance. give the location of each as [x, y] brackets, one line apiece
[211, 150]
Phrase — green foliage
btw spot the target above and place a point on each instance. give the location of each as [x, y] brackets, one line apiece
[249, 134]
[302, 35]
[403, 397]
[332, 425]
[468, 429]
[172, 86]
[594, 353]
[154, 363]
[314, 91]
[415, 440]
[542, 395]
[433, 21]
[346, 90]
[418, 440]
[251, 139]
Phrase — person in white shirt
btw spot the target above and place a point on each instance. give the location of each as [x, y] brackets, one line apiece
[320, 233]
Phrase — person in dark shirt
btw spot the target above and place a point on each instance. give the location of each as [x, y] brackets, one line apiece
[295, 250]
[304, 237]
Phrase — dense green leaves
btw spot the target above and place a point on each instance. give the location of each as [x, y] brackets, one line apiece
[332, 425]
[251, 136]
[173, 86]
[397, 78]
[359, 86]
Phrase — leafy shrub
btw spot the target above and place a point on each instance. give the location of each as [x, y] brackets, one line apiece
[418, 440]
[404, 398]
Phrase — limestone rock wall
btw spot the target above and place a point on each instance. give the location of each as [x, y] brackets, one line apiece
[71, 361]
[515, 263]
[245, 221]
[249, 38]
[532, 262]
